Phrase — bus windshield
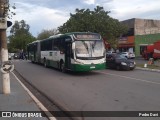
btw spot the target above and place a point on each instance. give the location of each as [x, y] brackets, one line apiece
[89, 49]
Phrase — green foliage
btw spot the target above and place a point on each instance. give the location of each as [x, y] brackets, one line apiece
[20, 36]
[46, 33]
[98, 21]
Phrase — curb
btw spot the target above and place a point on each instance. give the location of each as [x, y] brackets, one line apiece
[147, 69]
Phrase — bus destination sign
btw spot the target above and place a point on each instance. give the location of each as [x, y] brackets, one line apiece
[87, 36]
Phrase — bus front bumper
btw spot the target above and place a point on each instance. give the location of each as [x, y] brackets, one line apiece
[86, 67]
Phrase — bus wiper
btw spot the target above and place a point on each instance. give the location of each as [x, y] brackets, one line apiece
[86, 46]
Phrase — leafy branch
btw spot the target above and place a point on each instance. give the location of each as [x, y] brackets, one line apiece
[6, 9]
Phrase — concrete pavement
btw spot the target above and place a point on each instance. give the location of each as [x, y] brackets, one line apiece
[140, 61]
[18, 100]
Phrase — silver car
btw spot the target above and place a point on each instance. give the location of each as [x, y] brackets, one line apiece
[128, 55]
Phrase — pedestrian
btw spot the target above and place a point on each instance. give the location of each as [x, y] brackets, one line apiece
[25, 56]
[22, 55]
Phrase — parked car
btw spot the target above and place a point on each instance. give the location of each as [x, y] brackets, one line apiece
[110, 52]
[119, 62]
[10, 56]
[16, 56]
[128, 55]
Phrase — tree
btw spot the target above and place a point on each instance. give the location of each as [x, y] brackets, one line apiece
[98, 21]
[20, 36]
[46, 33]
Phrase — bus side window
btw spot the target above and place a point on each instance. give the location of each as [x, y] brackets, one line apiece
[55, 45]
[61, 45]
[55, 48]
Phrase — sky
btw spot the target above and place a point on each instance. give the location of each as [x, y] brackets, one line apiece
[50, 14]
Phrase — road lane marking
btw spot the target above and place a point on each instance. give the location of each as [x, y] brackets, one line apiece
[43, 108]
[137, 79]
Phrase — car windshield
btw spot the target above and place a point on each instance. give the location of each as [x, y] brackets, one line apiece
[120, 56]
[89, 48]
[124, 53]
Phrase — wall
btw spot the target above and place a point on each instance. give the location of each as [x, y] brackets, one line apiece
[145, 39]
[146, 26]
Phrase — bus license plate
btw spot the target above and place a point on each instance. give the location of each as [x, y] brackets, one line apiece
[92, 67]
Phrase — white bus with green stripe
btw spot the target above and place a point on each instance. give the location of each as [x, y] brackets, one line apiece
[77, 51]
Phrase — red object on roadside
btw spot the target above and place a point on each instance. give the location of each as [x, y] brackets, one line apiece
[156, 53]
[152, 51]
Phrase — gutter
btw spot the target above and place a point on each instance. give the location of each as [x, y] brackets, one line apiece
[147, 69]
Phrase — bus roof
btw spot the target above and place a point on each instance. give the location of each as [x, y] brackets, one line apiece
[66, 34]
[71, 33]
[84, 35]
[34, 42]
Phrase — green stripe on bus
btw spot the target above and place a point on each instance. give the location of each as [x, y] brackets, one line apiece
[77, 67]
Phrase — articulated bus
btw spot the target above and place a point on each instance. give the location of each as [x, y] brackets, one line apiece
[77, 51]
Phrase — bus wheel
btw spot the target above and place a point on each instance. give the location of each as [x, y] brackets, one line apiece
[62, 67]
[45, 63]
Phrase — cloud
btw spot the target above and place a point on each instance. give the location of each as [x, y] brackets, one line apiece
[122, 9]
[89, 2]
[53, 4]
[39, 17]
[49, 14]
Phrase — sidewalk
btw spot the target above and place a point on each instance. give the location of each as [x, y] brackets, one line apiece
[142, 60]
[153, 67]
[18, 100]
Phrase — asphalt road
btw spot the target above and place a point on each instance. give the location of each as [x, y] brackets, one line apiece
[106, 90]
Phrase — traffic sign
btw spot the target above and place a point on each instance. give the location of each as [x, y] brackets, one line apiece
[7, 67]
[9, 23]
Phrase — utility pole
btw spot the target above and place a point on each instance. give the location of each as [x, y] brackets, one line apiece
[4, 5]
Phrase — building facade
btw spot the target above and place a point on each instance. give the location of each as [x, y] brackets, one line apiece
[141, 32]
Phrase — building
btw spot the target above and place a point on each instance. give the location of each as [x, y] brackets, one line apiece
[141, 32]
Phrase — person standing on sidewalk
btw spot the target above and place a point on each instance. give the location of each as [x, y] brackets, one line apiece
[21, 55]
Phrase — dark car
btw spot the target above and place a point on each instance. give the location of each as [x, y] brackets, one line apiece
[119, 62]
[16, 56]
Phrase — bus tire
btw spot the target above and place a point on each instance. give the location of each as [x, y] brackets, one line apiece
[62, 67]
[45, 62]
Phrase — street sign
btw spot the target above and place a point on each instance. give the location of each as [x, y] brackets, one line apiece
[9, 23]
[7, 67]
[3, 23]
